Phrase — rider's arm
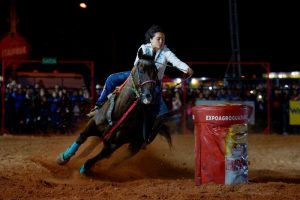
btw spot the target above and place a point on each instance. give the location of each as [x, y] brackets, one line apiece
[171, 57]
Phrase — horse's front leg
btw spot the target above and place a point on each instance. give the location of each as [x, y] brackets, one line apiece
[106, 152]
[65, 156]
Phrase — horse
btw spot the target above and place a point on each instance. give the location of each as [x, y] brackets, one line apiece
[118, 121]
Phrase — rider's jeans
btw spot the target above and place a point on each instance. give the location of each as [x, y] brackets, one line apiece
[111, 83]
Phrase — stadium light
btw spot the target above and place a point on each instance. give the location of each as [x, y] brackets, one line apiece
[83, 5]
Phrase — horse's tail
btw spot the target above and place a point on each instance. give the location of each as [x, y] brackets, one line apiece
[165, 132]
[161, 127]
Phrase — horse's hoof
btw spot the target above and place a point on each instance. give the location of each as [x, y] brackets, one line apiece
[83, 170]
[61, 160]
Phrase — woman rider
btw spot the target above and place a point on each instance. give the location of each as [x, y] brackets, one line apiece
[155, 46]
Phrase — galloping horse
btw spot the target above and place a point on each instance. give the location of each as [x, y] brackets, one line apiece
[126, 118]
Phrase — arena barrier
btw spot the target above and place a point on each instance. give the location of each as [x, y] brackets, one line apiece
[221, 146]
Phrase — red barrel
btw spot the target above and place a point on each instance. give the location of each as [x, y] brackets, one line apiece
[221, 152]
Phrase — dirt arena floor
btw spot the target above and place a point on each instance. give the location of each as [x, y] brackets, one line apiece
[28, 170]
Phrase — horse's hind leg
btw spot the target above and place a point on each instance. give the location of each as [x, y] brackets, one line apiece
[104, 153]
[132, 150]
[65, 156]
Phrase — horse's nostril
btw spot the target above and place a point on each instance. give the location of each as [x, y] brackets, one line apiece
[148, 96]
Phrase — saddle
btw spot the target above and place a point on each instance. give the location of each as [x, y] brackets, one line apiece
[111, 98]
[96, 109]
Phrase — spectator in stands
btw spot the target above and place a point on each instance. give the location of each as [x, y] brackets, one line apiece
[285, 112]
[176, 101]
[176, 105]
[54, 103]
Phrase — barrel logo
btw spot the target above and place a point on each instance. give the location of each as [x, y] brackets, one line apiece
[225, 117]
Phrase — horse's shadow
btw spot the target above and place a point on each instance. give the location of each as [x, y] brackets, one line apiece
[146, 165]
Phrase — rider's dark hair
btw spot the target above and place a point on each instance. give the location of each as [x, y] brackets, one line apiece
[151, 32]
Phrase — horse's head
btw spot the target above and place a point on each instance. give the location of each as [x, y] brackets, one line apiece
[144, 76]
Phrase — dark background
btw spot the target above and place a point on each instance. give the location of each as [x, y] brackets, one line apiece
[110, 32]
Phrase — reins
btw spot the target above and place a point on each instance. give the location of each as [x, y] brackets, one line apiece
[183, 80]
[137, 89]
[121, 120]
[172, 66]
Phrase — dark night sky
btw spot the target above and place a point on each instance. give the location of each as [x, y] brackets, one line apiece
[110, 33]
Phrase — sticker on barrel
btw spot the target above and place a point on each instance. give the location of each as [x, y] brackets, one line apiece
[236, 155]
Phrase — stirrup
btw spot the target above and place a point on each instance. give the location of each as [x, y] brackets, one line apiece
[93, 112]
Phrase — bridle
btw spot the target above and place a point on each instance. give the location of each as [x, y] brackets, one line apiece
[137, 86]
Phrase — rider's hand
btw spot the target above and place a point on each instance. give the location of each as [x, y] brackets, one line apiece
[190, 72]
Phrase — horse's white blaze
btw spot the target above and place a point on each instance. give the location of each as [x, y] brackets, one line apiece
[145, 101]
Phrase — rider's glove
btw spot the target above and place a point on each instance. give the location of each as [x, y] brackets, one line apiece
[190, 72]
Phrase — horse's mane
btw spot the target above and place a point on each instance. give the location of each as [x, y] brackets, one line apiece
[147, 63]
